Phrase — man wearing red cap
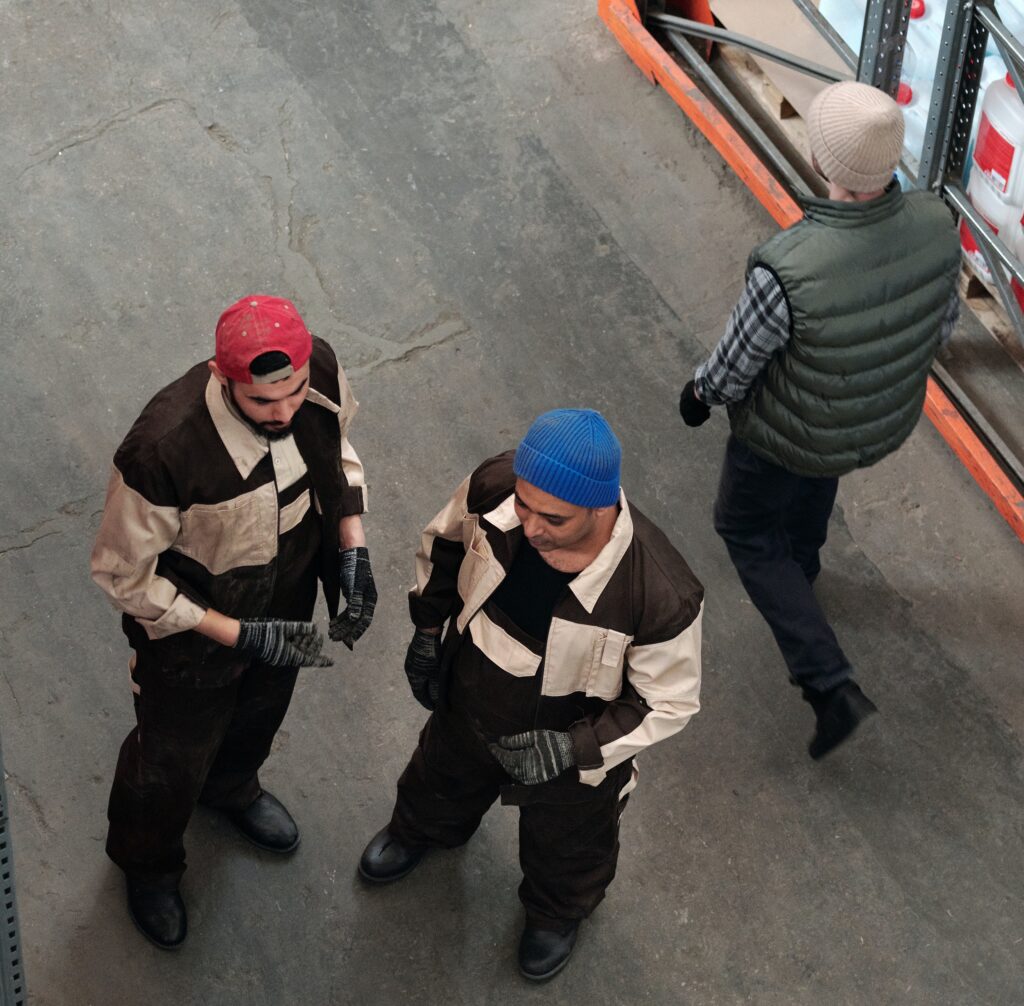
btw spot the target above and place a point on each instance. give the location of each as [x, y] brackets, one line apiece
[233, 494]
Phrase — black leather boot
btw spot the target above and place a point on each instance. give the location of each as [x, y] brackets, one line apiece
[158, 915]
[266, 823]
[543, 952]
[839, 712]
[386, 859]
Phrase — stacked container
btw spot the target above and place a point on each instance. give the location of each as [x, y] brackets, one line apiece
[920, 58]
[995, 173]
[996, 185]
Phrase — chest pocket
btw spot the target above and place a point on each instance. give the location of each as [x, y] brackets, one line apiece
[584, 658]
[239, 532]
[479, 572]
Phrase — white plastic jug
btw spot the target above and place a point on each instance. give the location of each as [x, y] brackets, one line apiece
[915, 113]
[924, 33]
[992, 69]
[912, 96]
[1000, 215]
[999, 149]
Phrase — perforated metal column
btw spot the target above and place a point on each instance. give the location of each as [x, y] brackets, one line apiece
[957, 76]
[881, 49]
[12, 975]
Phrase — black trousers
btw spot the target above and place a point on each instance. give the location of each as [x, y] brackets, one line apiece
[190, 745]
[774, 524]
[568, 832]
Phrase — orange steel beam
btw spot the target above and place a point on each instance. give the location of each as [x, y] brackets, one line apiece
[623, 19]
[971, 451]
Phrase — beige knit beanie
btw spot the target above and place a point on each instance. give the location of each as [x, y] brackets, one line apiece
[856, 135]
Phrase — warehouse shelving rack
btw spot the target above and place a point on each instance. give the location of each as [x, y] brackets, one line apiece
[964, 38]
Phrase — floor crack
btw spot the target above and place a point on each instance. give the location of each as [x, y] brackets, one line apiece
[94, 132]
[450, 329]
[34, 805]
[29, 544]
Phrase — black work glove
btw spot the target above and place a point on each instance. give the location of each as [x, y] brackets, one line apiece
[423, 667]
[691, 408]
[361, 593]
[534, 756]
[282, 644]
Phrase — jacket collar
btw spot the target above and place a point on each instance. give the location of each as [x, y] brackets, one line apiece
[589, 584]
[842, 214]
[246, 447]
[317, 398]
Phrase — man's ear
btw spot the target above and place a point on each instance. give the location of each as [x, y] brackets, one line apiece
[215, 370]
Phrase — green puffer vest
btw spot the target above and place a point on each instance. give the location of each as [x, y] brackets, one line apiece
[867, 286]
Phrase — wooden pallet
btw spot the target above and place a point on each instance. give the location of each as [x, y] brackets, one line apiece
[767, 94]
[987, 306]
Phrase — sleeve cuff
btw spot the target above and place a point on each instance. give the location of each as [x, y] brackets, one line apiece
[423, 614]
[353, 500]
[182, 615]
[585, 747]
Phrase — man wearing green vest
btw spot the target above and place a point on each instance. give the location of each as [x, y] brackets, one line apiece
[823, 368]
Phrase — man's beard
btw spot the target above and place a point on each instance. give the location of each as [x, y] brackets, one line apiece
[269, 432]
[272, 434]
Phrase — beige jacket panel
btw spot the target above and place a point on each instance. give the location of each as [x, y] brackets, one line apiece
[238, 532]
[350, 463]
[448, 525]
[131, 537]
[667, 677]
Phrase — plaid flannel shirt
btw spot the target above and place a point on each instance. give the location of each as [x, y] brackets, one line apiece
[758, 328]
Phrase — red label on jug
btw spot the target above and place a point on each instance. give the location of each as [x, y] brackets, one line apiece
[1018, 292]
[993, 154]
[967, 242]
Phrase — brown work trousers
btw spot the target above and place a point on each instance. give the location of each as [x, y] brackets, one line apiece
[190, 745]
[568, 832]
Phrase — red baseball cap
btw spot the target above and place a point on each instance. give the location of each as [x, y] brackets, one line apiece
[255, 325]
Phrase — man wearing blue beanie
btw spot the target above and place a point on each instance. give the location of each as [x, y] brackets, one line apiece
[572, 643]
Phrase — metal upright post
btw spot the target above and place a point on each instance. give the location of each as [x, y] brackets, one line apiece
[881, 48]
[12, 980]
[955, 91]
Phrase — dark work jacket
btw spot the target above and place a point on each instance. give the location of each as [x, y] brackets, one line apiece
[192, 516]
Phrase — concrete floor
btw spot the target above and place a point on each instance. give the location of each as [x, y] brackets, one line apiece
[488, 212]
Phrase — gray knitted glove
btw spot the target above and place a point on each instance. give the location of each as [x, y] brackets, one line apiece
[423, 667]
[361, 593]
[534, 756]
[282, 644]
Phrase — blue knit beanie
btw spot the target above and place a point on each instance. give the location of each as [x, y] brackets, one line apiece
[571, 454]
